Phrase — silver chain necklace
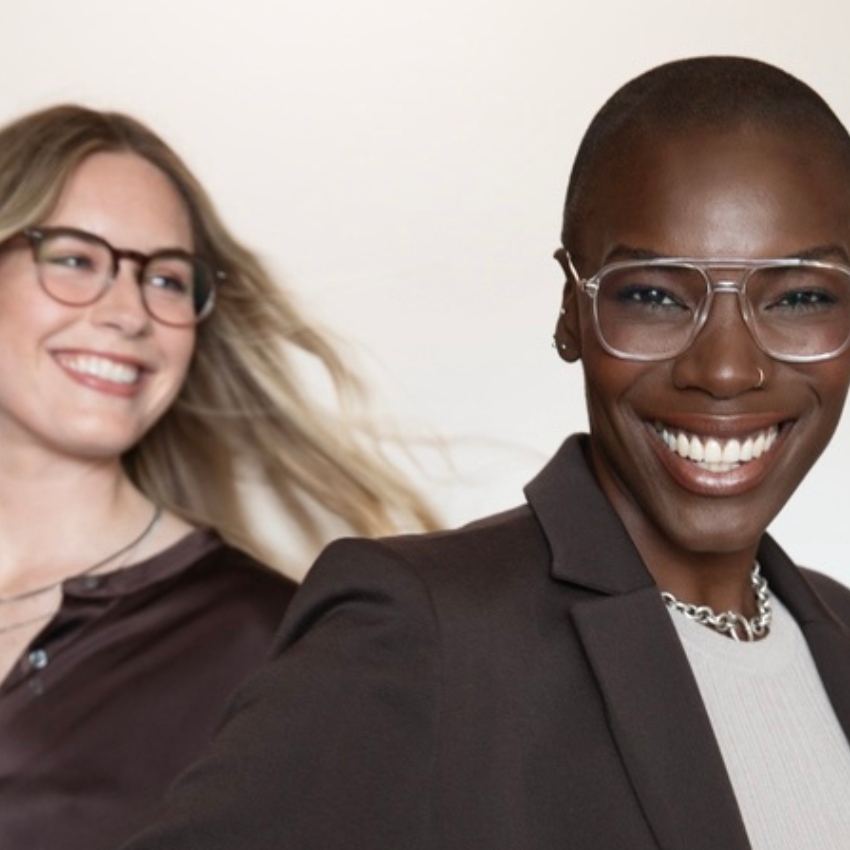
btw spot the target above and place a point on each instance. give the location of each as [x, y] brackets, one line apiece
[127, 550]
[731, 623]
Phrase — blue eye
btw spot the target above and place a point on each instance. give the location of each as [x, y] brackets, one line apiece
[170, 276]
[71, 262]
[168, 284]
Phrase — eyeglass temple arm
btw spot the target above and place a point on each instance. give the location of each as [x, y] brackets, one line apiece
[562, 255]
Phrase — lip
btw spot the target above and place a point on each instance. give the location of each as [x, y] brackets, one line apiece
[756, 441]
[107, 372]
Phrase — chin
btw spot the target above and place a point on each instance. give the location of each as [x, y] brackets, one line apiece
[98, 447]
[718, 537]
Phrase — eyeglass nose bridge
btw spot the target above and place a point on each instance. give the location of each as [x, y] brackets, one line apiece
[730, 286]
[118, 254]
[726, 283]
[725, 287]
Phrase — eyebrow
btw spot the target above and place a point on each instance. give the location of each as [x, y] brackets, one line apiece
[91, 234]
[817, 252]
[824, 252]
[626, 252]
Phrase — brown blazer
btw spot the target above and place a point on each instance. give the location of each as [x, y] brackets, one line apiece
[514, 684]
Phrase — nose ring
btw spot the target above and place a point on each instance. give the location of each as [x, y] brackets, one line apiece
[760, 383]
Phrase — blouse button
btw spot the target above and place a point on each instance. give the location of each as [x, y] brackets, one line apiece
[38, 659]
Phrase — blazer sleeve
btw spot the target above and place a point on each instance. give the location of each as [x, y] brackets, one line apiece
[331, 744]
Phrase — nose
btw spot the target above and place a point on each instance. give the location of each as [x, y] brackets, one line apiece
[724, 359]
[121, 306]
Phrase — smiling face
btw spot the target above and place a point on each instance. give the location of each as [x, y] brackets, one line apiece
[90, 381]
[749, 194]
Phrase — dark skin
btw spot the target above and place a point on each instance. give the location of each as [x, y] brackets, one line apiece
[750, 193]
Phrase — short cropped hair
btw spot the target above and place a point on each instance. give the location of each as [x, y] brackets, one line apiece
[718, 92]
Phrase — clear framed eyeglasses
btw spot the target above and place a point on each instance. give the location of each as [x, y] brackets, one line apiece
[797, 310]
[76, 267]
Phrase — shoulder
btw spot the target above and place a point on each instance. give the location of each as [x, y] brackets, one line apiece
[424, 579]
[223, 583]
[484, 550]
[227, 562]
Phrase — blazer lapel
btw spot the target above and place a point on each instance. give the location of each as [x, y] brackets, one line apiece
[655, 711]
[659, 722]
[827, 636]
[830, 647]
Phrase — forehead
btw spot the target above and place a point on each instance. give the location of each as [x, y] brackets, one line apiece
[125, 199]
[747, 192]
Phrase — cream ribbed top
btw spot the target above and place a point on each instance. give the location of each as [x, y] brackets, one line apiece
[787, 757]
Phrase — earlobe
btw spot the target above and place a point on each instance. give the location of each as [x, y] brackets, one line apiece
[567, 338]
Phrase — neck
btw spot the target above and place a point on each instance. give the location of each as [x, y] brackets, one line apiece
[722, 583]
[90, 509]
[683, 557]
[732, 623]
[720, 580]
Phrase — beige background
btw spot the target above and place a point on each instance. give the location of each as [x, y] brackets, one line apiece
[402, 164]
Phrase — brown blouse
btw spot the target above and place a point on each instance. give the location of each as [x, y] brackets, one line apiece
[122, 689]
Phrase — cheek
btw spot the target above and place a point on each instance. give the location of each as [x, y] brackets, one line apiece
[830, 381]
[610, 380]
[179, 348]
[187, 351]
[20, 292]
[832, 388]
[28, 316]
[607, 375]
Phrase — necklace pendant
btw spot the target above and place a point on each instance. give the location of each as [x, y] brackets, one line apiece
[741, 623]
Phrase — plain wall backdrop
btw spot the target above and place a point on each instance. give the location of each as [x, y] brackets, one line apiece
[402, 165]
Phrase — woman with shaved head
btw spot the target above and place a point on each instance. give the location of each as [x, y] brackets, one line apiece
[628, 659]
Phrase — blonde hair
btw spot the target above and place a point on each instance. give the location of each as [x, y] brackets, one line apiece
[243, 405]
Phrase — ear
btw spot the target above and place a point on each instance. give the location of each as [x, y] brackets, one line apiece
[568, 327]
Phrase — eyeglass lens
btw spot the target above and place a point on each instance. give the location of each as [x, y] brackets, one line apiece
[176, 289]
[796, 311]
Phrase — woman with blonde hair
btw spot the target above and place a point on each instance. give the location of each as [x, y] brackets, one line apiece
[146, 369]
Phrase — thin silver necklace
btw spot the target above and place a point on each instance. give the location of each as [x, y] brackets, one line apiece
[125, 549]
[731, 623]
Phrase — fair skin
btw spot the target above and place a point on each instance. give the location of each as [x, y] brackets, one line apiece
[81, 386]
[753, 193]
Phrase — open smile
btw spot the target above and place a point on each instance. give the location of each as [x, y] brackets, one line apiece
[102, 368]
[715, 454]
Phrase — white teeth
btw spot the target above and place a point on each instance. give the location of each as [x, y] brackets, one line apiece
[102, 367]
[715, 454]
[695, 450]
[731, 452]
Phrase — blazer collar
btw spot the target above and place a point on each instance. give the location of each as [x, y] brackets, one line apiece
[789, 583]
[827, 636]
[590, 546]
